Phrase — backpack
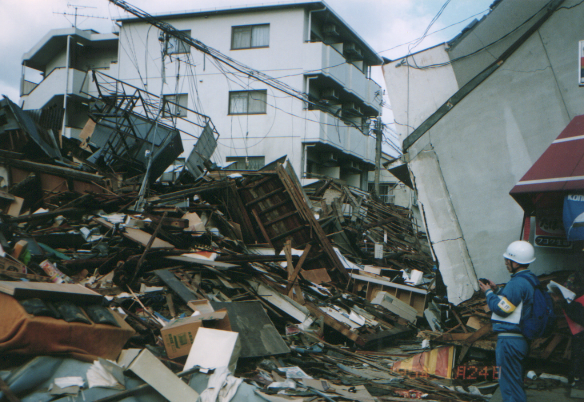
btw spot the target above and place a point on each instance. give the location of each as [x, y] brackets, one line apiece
[541, 322]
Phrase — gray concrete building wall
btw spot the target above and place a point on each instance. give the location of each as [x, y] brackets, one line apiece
[492, 35]
[488, 141]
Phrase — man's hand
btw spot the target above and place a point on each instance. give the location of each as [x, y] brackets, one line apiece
[487, 284]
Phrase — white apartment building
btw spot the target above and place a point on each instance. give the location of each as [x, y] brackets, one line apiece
[307, 46]
[58, 65]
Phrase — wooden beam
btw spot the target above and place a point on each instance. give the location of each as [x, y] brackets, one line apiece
[265, 196]
[64, 172]
[292, 278]
[274, 207]
[262, 228]
[460, 321]
[290, 232]
[281, 218]
[46, 215]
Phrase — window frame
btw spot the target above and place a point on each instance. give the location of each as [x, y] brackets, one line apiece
[182, 109]
[247, 112]
[251, 27]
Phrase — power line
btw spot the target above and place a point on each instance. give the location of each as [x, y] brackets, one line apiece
[421, 39]
[169, 30]
[436, 31]
[405, 62]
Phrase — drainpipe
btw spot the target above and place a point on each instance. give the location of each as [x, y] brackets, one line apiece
[66, 89]
[378, 134]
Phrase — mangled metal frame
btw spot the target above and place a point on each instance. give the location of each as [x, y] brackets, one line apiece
[133, 125]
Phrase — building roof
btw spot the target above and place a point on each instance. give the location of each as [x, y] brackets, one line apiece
[311, 5]
[536, 21]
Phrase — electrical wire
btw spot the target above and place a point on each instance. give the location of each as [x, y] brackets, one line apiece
[405, 62]
[421, 39]
[436, 31]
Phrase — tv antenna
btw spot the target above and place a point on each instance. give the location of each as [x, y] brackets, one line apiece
[77, 7]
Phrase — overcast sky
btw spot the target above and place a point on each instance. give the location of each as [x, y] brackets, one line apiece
[384, 24]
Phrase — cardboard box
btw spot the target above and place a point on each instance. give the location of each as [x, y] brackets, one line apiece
[179, 335]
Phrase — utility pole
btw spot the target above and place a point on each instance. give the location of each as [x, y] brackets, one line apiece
[378, 136]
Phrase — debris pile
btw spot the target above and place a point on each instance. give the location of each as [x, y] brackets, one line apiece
[219, 284]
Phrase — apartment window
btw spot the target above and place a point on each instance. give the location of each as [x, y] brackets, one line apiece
[247, 102]
[178, 106]
[250, 36]
[384, 192]
[247, 162]
[176, 46]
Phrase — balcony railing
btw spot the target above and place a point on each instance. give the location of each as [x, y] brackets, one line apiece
[333, 131]
[326, 60]
[54, 85]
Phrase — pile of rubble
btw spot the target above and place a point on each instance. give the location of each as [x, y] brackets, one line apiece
[220, 285]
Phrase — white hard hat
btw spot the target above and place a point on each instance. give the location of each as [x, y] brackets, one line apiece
[521, 252]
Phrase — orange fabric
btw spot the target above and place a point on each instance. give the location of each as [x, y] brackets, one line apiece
[436, 361]
[24, 334]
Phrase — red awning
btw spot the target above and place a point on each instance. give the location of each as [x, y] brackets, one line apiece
[559, 171]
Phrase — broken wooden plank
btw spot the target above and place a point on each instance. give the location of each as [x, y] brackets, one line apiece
[336, 325]
[54, 170]
[317, 276]
[147, 248]
[137, 235]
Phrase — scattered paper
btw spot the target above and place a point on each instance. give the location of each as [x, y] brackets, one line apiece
[99, 376]
[560, 290]
[294, 372]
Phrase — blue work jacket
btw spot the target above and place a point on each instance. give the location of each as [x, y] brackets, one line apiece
[506, 300]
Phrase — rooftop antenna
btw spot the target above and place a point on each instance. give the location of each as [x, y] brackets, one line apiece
[76, 7]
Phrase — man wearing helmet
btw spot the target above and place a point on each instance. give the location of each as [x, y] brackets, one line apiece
[510, 306]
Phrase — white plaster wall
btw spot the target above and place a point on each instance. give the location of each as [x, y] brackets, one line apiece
[403, 195]
[60, 60]
[444, 232]
[415, 94]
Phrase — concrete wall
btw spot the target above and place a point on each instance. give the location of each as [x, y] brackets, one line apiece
[287, 124]
[414, 93]
[487, 142]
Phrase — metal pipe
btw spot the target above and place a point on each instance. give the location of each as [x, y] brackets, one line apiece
[66, 87]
